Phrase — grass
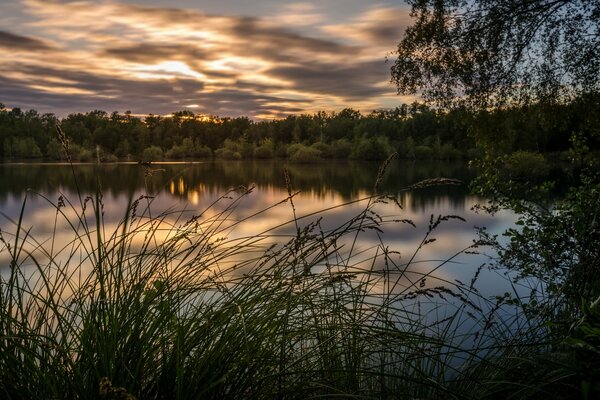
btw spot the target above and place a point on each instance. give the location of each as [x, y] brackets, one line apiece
[173, 306]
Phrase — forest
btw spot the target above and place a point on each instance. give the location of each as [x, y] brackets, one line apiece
[414, 131]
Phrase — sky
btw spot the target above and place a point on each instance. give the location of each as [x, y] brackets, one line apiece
[261, 58]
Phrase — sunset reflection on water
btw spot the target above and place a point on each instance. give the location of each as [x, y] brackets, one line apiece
[217, 190]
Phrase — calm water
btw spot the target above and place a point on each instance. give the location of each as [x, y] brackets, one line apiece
[196, 187]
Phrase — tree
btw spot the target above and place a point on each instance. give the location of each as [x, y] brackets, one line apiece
[486, 53]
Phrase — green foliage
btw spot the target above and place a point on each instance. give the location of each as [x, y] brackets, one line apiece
[203, 152]
[228, 154]
[423, 152]
[186, 149]
[524, 167]
[293, 148]
[523, 78]
[553, 251]
[304, 154]
[448, 152]
[324, 149]
[21, 148]
[152, 153]
[265, 150]
[583, 348]
[109, 158]
[85, 155]
[54, 150]
[374, 148]
[341, 149]
[450, 135]
[489, 52]
[408, 148]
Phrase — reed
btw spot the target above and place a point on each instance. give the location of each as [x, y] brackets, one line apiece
[175, 306]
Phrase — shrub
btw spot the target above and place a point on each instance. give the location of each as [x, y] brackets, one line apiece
[448, 152]
[85, 156]
[524, 166]
[54, 150]
[408, 148]
[176, 152]
[109, 158]
[323, 148]
[341, 149]
[227, 154]
[306, 154]
[423, 152]
[264, 151]
[293, 148]
[21, 148]
[152, 153]
[203, 152]
[281, 150]
[375, 148]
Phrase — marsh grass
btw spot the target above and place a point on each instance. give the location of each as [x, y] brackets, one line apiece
[176, 306]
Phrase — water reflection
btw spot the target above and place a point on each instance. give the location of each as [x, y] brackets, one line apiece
[346, 179]
[198, 189]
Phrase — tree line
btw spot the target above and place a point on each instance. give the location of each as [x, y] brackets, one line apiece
[415, 131]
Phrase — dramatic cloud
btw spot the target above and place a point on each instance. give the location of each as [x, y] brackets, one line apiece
[17, 42]
[113, 55]
[300, 14]
[381, 27]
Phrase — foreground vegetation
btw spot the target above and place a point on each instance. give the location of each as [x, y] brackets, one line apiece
[177, 305]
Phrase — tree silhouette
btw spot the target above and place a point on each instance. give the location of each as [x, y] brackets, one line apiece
[485, 53]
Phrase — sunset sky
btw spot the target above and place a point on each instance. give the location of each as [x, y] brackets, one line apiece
[262, 58]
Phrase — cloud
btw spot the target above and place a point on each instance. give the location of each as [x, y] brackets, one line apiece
[113, 55]
[299, 14]
[152, 52]
[381, 27]
[17, 42]
[352, 81]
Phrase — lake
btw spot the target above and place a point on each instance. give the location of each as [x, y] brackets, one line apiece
[184, 190]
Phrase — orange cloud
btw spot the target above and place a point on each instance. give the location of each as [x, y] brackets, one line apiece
[149, 59]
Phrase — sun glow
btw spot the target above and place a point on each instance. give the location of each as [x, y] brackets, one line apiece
[167, 69]
[234, 63]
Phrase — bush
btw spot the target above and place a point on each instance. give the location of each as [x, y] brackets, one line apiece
[281, 150]
[203, 152]
[85, 156]
[109, 158]
[524, 166]
[474, 153]
[407, 148]
[152, 153]
[227, 154]
[323, 148]
[423, 152]
[448, 152]
[375, 148]
[341, 149]
[21, 148]
[54, 150]
[175, 152]
[293, 148]
[264, 151]
[306, 155]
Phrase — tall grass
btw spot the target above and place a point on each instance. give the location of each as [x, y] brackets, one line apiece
[175, 305]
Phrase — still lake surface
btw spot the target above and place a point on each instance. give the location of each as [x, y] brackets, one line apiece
[199, 188]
